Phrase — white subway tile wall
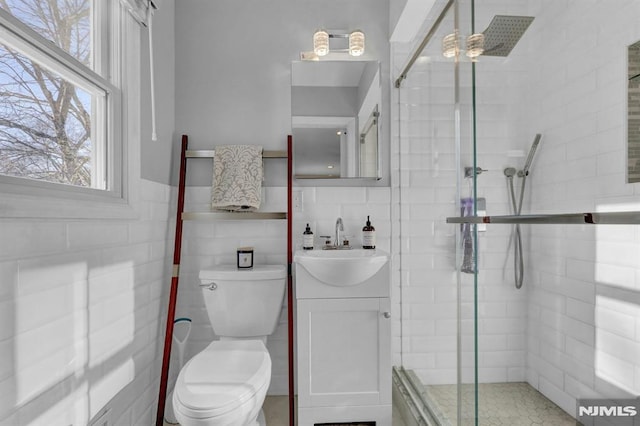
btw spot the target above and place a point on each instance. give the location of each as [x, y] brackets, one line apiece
[583, 296]
[82, 308]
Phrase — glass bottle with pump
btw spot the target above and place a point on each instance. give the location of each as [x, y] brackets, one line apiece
[307, 239]
[368, 236]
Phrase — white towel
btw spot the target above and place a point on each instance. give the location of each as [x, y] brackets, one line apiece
[237, 178]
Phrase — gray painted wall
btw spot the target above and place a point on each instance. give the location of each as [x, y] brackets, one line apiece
[233, 68]
[395, 10]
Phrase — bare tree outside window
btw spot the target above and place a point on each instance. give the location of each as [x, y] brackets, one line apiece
[45, 120]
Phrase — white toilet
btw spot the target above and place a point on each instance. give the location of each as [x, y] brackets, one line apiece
[226, 383]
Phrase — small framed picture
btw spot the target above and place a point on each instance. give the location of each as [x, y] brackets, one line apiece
[245, 257]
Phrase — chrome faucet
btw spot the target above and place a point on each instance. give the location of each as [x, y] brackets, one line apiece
[339, 228]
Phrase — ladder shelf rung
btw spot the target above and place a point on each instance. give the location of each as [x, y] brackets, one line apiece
[210, 153]
[204, 216]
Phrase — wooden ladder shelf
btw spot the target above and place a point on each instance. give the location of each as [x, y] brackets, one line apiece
[182, 216]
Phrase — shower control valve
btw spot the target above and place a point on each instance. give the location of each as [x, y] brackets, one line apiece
[469, 171]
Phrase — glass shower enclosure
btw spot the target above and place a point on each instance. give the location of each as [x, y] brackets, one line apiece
[518, 240]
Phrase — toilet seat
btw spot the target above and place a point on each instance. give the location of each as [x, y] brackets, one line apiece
[222, 378]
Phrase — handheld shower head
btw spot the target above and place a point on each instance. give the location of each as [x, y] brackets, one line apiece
[532, 152]
[510, 172]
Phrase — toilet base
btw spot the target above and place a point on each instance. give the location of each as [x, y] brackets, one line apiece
[262, 421]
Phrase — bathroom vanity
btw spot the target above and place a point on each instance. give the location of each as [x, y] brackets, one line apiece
[343, 336]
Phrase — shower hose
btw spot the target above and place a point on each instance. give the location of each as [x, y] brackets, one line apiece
[518, 261]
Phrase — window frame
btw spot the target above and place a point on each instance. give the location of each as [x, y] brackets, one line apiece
[19, 193]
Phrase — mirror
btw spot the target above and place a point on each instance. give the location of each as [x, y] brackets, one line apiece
[335, 119]
[633, 113]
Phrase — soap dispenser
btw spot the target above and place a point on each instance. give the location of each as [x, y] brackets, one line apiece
[368, 236]
[307, 239]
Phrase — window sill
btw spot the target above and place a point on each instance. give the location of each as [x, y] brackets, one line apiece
[42, 200]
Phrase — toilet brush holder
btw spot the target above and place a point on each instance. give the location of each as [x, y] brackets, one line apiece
[180, 340]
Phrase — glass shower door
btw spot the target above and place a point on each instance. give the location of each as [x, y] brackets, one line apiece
[437, 297]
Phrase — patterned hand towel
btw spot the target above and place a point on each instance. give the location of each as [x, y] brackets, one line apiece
[237, 178]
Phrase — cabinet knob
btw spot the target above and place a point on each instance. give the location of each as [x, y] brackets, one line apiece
[386, 315]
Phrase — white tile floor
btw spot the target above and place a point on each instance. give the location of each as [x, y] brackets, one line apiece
[276, 410]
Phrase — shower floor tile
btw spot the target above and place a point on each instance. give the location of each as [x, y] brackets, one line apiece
[508, 404]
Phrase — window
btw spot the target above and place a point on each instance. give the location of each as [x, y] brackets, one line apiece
[57, 120]
[65, 23]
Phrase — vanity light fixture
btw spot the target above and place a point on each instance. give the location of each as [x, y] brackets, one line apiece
[321, 42]
[356, 43]
[322, 37]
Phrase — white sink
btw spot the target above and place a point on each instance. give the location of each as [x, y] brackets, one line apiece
[342, 268]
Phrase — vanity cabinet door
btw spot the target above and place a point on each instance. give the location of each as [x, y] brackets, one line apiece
[344, 355]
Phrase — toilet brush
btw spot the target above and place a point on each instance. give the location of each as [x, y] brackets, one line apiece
[169, 416]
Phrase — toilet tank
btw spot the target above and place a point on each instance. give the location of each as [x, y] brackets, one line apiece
[243, 302]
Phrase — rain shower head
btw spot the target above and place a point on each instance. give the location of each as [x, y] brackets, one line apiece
[503, 33]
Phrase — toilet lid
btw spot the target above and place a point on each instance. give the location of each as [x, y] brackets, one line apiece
[222, 377]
